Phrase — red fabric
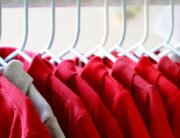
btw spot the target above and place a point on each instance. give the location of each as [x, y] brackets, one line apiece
[103, 120]
[146, 97]
[5, 51]
[116, 99]
[72, 116]
[18, 118]
[168, 91]
[67, 107]
[170, 70]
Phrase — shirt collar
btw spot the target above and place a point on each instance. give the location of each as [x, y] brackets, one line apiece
[65, 70]
[5, 51]
[143, 66]
[123, 70]
[40, 70]
[15, 73]
[168, 67]
[94, 71]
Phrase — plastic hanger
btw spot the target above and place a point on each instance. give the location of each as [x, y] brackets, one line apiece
[141, 43]
[167, 42]
[2, 62]
[100, 46]
[119, 45]
[47, 50]
[72, 47]
[166, 52]
[22, 46]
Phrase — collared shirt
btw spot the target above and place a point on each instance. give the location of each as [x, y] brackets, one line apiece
[170, 70]
[14, 73]
[69, 110]
[18, 118]
[116, 99]
[169, 93]
[67, 107]
[102, 118]
[146, 97]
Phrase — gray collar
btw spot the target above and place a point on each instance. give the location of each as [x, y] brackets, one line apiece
[15, 73]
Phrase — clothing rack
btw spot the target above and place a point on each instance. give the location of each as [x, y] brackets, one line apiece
[101, 93]
[45, 3]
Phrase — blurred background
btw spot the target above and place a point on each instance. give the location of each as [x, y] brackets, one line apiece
[91, 27]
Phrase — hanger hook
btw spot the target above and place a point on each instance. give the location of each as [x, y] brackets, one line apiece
[123, 26]
[71, 48]
[120, 43]
[141, 43]
[78, 24]
[106, 30]
[77, 31]
[26, 31]
[172, 22]
[124, 23]
[2, 61]
[52, 35]
[167, 42]
[146, 27]
[53, 26]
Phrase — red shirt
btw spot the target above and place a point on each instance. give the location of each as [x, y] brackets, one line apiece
[170, 70]
[67, 107]
[103, 120]
[146, 97]
[168, 91]
[18, 118]
[72, 116]
[116, 99]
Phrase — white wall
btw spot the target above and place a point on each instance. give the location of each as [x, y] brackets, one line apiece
[91, 29]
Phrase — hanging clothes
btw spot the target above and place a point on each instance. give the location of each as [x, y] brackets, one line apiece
[100, 99]
[170, 94]
[102, 118]
[68, 108]
[146, 97]
[170, 69]
[18, 118]
[116, 98]
[14, 73]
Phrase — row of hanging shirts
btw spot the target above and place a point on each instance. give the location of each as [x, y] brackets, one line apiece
[116, 94]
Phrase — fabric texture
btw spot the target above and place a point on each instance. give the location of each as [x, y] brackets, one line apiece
[116, 99]
[103, 120]
[67, 107]
[169, 93]
[146, 97]
[170, 70]
[18, 118]
[14, 73]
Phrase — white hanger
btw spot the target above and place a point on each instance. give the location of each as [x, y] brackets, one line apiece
[47, 50]
[72, 47]
[22, 46]
[100, 46]
[141, 43]
[167, 42]
[119, 45]
[166, 52]
[2, 62]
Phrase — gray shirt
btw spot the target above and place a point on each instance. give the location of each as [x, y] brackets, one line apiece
[15, 73]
